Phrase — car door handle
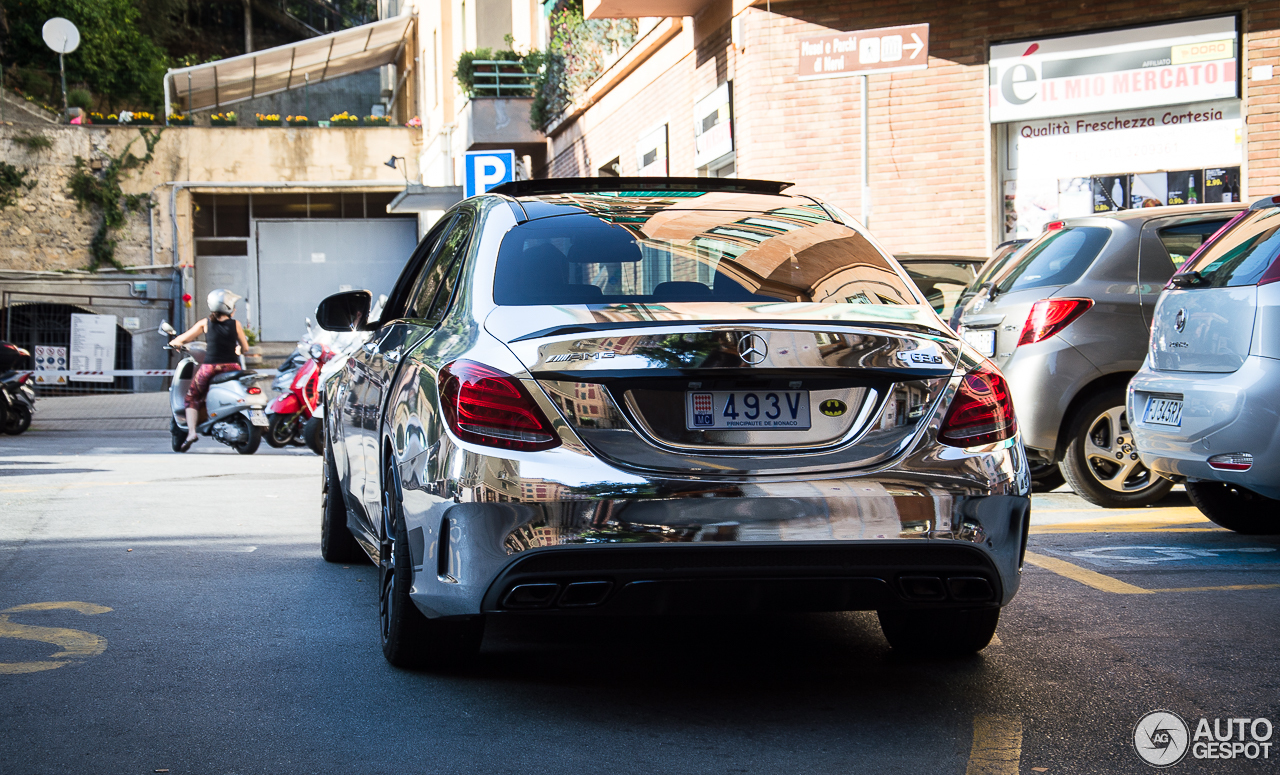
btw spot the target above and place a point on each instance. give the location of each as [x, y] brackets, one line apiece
[391, 356]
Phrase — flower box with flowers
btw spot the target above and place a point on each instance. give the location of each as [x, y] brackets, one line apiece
[377, 120]
[222, 119]
[98, 118]
[140, 118]
[344, 119]
[179, 119]
[298, 121]
[270, 119]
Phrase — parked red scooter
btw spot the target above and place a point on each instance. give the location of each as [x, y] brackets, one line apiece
[288, 412]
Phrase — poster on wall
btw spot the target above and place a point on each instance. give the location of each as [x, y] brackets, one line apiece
[1110, 192]
[1222, 185]
[93, 346]
[1149, 190]
[1184, 187]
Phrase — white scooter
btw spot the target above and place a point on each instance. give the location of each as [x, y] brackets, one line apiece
[235, 408]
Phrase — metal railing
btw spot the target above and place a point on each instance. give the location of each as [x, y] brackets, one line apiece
[516, 80]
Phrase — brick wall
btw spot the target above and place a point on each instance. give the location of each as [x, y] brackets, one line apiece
[931, 177]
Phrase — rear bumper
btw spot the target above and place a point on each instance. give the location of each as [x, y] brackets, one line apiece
[1232, 412]
[885, 540]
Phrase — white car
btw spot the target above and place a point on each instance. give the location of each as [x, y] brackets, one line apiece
[1205, 407]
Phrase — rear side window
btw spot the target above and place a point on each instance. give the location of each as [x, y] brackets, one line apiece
[1057, 258]
[693, 256]
[1243, 254]
[1183, 240]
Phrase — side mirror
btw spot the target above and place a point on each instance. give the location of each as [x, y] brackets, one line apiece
[165, 328]
[346, 311]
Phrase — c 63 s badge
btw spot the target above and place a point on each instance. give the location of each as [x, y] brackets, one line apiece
[833, 407]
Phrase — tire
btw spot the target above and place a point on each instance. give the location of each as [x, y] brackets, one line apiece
[1046, 478]
[313, 434]
[1236, 508]
[250, 445]
[337, 544]
[17, 420]
[176, 436]
[940, 631]
[410, 639]
[1100, 431]
[279, 430]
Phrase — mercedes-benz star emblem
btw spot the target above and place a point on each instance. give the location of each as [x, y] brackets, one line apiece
[1180, 321]
[753, 349]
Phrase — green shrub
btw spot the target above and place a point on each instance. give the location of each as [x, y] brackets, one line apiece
[79, 98]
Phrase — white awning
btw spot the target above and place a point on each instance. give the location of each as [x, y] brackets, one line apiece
[273, 70]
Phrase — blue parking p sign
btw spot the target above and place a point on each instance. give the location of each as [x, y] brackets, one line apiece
[485, 169]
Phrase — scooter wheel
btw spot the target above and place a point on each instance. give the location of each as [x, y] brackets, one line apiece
[279, 430]
[18, 420]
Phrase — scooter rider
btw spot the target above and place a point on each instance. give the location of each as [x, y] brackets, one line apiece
[226, 341]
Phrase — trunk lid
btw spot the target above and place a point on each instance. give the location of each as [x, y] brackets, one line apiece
[855, 386]
[1203, 329]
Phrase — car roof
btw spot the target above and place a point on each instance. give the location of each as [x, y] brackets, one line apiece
[1148, 213]
[653, 186]
[937, 258]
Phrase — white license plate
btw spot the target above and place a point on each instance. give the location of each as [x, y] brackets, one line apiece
[258, 417]
[982, 340]
[1163, 411]
[781, 410]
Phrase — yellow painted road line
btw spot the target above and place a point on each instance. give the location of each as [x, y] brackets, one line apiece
[1232, 587]
[1163, 522]
[997, 746]
[1085, 576]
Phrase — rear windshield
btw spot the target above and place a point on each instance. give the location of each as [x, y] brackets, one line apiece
[941, 283]
[1243, 254]
[784, 255]
[1057, 258]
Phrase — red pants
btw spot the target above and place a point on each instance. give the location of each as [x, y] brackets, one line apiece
[199, 387]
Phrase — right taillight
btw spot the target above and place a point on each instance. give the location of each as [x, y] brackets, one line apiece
[485, 406]
[1049, 316]
[981, 411]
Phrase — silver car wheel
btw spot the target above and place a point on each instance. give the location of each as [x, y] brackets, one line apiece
[1111, 454]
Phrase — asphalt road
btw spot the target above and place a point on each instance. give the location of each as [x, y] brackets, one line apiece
[208, 636]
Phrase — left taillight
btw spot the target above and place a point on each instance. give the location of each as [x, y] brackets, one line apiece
[253, 391]
[1049, 316]
[485, 406]
[981, 411]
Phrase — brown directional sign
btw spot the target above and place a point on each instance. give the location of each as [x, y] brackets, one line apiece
[860, 52]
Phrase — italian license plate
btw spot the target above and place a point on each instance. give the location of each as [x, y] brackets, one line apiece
[782, 410]
[258, 417]
[1163, 411]
[982, 340]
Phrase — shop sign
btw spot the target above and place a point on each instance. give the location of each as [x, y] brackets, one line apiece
[651, 154]
[1167, 64]
[887, 49]
[713, 126]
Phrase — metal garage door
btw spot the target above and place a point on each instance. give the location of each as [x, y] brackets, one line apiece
[301, 262]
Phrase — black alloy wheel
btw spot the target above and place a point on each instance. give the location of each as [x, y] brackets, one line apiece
[409, 639]
[313, 435]
[1236, 508]
[337, 544]
[18, 420]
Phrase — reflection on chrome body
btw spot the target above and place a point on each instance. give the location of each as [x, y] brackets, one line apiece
[629, 480]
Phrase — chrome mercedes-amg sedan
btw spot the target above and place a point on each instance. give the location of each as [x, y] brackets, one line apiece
[667, 396]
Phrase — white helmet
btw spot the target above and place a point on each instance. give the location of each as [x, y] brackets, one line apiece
[222, 301]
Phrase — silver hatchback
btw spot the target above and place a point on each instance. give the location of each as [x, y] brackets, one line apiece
[1066, 321]
[1206, 403]
[662, 396]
